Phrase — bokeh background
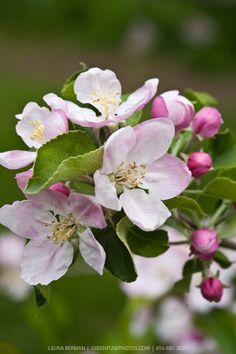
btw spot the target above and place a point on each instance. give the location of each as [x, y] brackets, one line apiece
[187, 44]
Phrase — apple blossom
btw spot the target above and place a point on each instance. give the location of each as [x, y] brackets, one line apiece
[36, 126]
[137, 173]
[204, 243]
[55, 224]
[212, 289]
[102, 90]
[207, 122]
[172, 105]
[199, 163]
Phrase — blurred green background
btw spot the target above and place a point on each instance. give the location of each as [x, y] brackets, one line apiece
[184, 43]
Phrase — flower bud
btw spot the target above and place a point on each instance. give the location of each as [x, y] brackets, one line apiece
[199, 163]
[207, 122]
[175, 107]
[204, 243]
[60, 187]
[212, 289]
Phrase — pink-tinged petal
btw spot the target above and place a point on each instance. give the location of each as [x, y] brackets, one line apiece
[13, 160]
[100, 88]
[87, 211]
[82, 116]
[117, 149]
[22, 178]
[167, 177]
[47, 199]
[55, 102]
[85, 117]
[54, 125]
[44, 261]
[143, 209]
[170, 95]
[153, 139]
[159, 108]
[51, 200]
[105, 191]
[28, 109]
[26, 219]
[91, 251]
[137, 100]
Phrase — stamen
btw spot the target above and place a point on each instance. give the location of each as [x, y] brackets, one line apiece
[37, 132]
[63, 229]
[109, 102]
[130, 176]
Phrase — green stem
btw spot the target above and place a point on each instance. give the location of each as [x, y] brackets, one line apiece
[193, 191]
[228, 244]
[217, 214]
[178, 243]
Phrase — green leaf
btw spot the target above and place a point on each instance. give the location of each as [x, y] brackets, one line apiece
[82, 187]
[67, 90]
[222, 149]
[227, 228]
[222, 260]
[118, 259]
[182, 202]
[200, 99]
[221, 326]
[142, 243]
[64, 158]
[221, 187]
[134, 119]
[42, 295]
[183, 285]
[192, 266]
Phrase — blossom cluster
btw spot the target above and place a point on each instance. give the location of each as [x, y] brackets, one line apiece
[120, 182]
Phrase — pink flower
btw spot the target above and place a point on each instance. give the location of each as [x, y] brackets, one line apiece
[204, 243]
[137, 173]
[207, 122]
[36, 126]
[212, 289]
[55, 225]
[102, 90]
[199, 163]
[175, 107]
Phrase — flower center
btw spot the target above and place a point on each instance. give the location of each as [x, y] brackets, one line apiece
[108, 103]
[37, 132]
[130, 176]
[63, 228]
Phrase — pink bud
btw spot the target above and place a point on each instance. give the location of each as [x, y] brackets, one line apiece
[204, 244]
[212, 289]
[207, 122]
[60, 187]
[175, 107]
[199, 163]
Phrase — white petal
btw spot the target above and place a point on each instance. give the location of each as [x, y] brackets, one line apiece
[153, 139]
[87, 211]
[13, 160]
[105, 191]
[167, 177]
[26, 219]
[144, 210]
[91, 251]
[100, 88]
[117, 149]
[44, 261]
[137, 100]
